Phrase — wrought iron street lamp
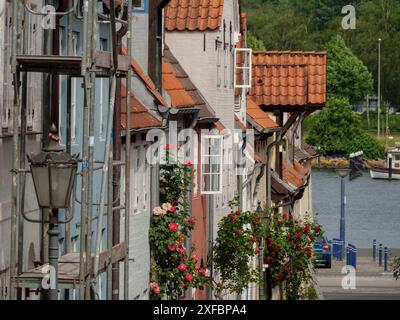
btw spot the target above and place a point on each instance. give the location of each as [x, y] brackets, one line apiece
[53, 173]
[342, 173]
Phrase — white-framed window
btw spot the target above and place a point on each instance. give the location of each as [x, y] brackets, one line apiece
[103, 103]
[7, 94]
[226, 59]
[139, 5]
[211, 164]
[140, 180]
[243, 68]
[219, 64]
[75, 44]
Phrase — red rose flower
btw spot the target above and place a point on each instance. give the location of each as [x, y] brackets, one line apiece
[238, 212]
[285, 216]
[182, 251]
[311, 238]
[190, 220]
[171, 248]
[173, 226]
[203, 271]
[155, 288]
[188, 163]
[183, 284]
[182, 267]
[292, 245]
[299, 235]
[290, 216]
[306, 229]
[189, 277]
[317, 228]
[173, 209]
[299, 249]
[253, 239]
[194, 258]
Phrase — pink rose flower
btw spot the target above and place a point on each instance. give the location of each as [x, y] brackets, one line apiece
[158, 211]
[182, 267]
[194, 258]
[155, 288]
[171, 248]
[173, 226]
[188, 163]
[182, 251]
[167, 206]
[189, 277]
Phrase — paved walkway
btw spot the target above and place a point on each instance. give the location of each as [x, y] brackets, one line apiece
[371, 282]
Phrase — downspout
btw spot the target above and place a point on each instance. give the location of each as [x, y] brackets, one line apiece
[117, 170]
[188, 240]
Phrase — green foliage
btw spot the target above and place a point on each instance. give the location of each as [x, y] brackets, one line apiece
[254, 43]
[339, 132]
[173, 269]
[233, 248]
[395, 264]
[346, 74]
[310, 24]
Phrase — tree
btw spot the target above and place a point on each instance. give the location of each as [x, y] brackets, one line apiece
[339, 132]
[254, 43]
[347, 76]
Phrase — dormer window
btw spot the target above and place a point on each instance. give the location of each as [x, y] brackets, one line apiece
[139, 5]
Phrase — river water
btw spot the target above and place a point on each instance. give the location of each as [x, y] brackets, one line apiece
[372, 208]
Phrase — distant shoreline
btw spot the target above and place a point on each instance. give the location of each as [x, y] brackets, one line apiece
[333, 163]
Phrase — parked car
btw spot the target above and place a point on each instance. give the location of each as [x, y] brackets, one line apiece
[322, 253]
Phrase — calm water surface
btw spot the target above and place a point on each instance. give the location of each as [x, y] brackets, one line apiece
[372, 210]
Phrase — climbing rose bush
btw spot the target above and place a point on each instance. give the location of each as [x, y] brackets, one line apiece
[235, 246]
[174, 267]
[289, 252]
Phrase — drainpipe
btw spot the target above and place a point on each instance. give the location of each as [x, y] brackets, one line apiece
[117, 170]
[188, 240]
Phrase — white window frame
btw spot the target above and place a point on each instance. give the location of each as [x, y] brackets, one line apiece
[103, 47]
[142, 6]
[206, 154]
[6, 114]
[247, 66]
[75, 41]
[219, 64]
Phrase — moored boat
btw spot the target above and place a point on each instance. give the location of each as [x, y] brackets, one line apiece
[391, 169]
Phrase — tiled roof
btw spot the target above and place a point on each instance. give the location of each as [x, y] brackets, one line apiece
[146, 80]
[193, 15]
[239, 123]
[289, 78]
[141, 118]
[294, 174]
[180, 88]
[258, 117]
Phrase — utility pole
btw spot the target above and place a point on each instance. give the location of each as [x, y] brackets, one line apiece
[379, 86]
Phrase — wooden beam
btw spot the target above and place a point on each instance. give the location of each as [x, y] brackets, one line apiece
[162, 3]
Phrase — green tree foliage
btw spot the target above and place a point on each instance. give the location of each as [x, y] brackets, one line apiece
[310, 24]
[338, 131]
[254, 43]
[346, 74]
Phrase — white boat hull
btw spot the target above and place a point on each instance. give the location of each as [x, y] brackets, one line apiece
[383, 175]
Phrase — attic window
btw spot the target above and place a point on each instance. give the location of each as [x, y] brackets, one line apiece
[243, 68]
[139, 5]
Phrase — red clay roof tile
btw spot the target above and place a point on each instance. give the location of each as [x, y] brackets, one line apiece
[289, 78]
[180, 88]
[294, 174]
[141, 118]
[261, 118]
[191, 15]
[146, 80]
